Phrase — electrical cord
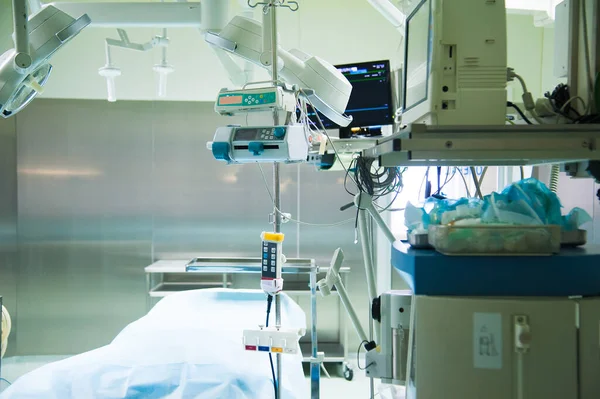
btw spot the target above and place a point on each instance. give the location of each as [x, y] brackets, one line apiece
[269, 303]
[376, 182]
[554, 178]
[516, 107]
[477, 183]
[561, 102]
[423, 182]
[324, 131]
[527, 96]
[358, 356]
[262, 172]
[5, 380]
[569, 101]
[366, 180]
[447, 180]
[482, 176]
[465, 182]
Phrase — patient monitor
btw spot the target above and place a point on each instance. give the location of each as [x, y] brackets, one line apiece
[455, 63]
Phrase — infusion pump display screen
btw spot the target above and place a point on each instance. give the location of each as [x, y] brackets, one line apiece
[247, 134]
[257, 134]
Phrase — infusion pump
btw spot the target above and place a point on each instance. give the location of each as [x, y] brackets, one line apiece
[236, 144]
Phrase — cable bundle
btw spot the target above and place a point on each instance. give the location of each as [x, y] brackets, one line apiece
[376, 182]
[562, 102]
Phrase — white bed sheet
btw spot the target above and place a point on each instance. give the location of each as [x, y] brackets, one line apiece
[188, 346]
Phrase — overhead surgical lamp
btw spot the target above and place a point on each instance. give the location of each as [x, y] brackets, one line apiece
[323, 85]
[25, 69]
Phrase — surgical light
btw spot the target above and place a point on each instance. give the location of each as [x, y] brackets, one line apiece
[24, 70]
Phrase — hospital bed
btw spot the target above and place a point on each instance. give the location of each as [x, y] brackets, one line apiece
[188, 346]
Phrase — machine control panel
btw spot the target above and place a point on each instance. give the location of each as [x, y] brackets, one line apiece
[271, 259]
[230, 102]
[247, 99]
[259, 133]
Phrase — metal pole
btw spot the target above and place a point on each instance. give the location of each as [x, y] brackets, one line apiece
[164, 49]
[368, 259]
[277, 229]
[276, 179]
[23, 58]
[370, 272]
[345, 299]
[315, 365]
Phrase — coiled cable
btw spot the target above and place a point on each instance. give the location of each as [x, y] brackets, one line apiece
[554, 176]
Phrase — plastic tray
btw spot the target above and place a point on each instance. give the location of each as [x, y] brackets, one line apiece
[495, 240]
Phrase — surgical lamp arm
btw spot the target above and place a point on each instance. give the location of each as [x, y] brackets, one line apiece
[390, 12]
[333, 279]
[204, 15]
[239, 76]
[20, 22]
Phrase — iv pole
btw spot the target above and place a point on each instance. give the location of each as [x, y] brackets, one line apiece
[269, 35]
[270, 26]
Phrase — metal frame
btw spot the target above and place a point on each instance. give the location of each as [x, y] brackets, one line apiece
[293, 266]
[160, 282]
[422, 145]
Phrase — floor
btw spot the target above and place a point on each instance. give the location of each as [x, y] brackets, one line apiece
[334, 387]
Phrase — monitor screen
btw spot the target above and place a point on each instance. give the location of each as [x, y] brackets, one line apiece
[416, 65]
[371, 99]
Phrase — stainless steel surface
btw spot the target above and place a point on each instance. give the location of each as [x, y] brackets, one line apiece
[551, 320]
[164, 289]
[334, 352]
[85, 222]
[351, 146]
[419, 241]
[421, 145]
[399, 353]
[106, 189]
[237, 265]
[8, 224]
[246, 265]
